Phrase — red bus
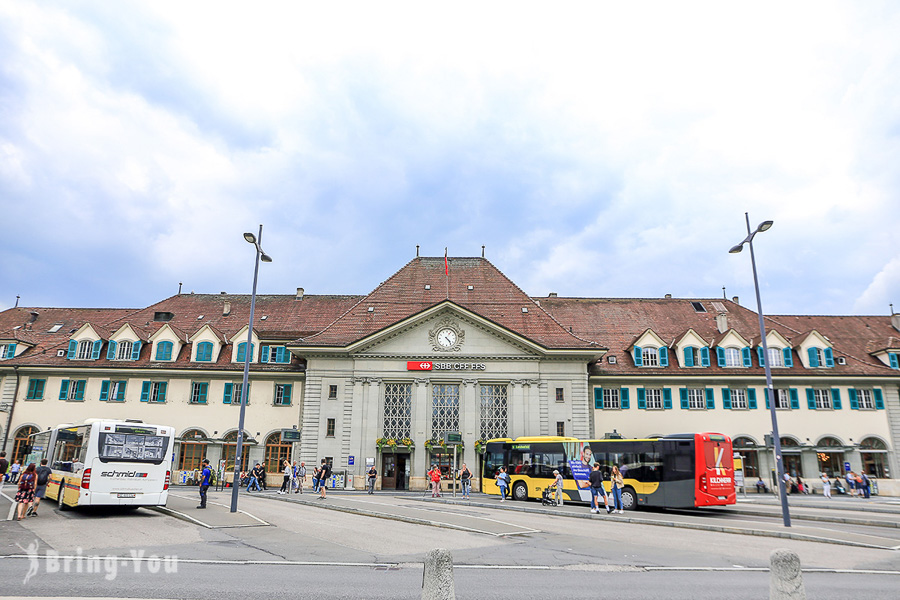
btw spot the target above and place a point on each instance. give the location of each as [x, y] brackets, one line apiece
[674, 471]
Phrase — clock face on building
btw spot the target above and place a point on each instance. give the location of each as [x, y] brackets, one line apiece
[446, 337]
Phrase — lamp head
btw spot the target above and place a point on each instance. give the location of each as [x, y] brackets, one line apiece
[736, 249]
[250, 238]
[764, 226]
[265, 257]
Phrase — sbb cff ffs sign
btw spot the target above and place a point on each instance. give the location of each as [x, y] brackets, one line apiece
[419, 365]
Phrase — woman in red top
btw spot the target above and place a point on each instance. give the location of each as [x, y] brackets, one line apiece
[435, 475]
[25, 495]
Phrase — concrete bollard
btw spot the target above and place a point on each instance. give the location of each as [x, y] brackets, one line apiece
[437, 579]
[786, 582]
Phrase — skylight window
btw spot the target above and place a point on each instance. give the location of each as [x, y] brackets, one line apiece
[698, 307]
[56, 327]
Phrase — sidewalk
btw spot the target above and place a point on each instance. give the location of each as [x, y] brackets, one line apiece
[183, 502]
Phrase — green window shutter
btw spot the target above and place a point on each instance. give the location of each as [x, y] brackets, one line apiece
[121, 394]
[11, 351]
[684, 398]
[242, 352]
[104, 391]
[795, 398]
[201, 397]
[704, 356]
[164, 351]
[663, 357]
[667, 398]
[689, 356]
[810, 399]
[287, 393]
[788, 358]
[835, 398]
[768, 402]
[64, 389]
[32, 387]
[854, 398]
[879, 399]
[145, 391]
[79, 389]
[161, 397]
[642, 398]
[829, 357]
[73, 347]
[710, 399]
[720, 356]
[136, 350]
[751, 398]
[895, 362]
[283, 355]
[813, 357]
[726, 398]
[761, 356]
[745, 355]
[264, 354]
[226, 399]
[623, 398]
[638, 357]
[95, 354]
[111, 350]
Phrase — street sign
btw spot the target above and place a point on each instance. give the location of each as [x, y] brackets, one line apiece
[846, 467]
[350, 461]
[453, 439]
[290, 435]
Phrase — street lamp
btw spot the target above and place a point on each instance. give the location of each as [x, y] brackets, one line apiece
[770, 391]
[236, 482]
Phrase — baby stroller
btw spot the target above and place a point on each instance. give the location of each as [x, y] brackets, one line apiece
[548, 496]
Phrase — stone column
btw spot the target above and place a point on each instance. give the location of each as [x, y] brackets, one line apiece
[517, 408]
[421, 431]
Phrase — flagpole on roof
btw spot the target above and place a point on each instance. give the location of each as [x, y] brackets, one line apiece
[447, 272]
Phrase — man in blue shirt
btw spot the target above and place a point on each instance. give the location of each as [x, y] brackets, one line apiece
[205, 477]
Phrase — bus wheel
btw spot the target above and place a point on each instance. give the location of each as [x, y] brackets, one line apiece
[59, 498]
[520, 491]
[629, 499]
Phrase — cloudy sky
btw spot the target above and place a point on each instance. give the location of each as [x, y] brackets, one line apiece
[594, 149]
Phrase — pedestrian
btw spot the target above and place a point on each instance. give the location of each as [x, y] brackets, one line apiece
[205, 478]
[288, 473]
[617, 482]
[4, 466]
[435, 475]
[25, 494]
[301, 477]
[371, 475]
[861, 485]
[42, 473]
[760, 486]
[316, 474]
[295, 476]
[826, 486]
[254, 479]
[323, 477]
[851, 482]
[558, 482]
[804, 489]
[596, 481]
[503, 483]
[867, 484]
[465, 478]
[14, 471]
[787, 482]
[262, 477]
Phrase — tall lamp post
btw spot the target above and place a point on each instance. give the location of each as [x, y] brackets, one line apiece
[236, 482]
[770, 391]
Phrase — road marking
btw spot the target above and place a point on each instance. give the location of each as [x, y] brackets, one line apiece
[166, 509]
[12, 504]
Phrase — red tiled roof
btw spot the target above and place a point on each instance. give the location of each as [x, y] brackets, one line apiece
[424, 283]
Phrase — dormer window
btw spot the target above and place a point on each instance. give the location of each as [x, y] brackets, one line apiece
[204, 352]
[732, 356]
[778, 357]
[242, 352]
[894, 359]
[7, 351]
[651, 357]
[123, 352]
[820, 357]
[164, 350]
[696, 356]
[84, 350]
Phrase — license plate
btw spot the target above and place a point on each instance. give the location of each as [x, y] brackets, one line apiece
[126, 495]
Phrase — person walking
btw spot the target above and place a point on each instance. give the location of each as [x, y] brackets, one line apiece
[863, 481]
[323, 478]
[596, 480]
[25, 493]
[503, 483]
[558, 482]
[14, 471]
[205, 479]
[4, 466]
[301, 477]
[42, 473]
[288, 474]
[617, 482]
[465, 478]
[826, 486]
[371, 475]
[435, 476]
[254, 479]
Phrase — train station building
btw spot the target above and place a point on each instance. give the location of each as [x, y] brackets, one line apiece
[454, 346]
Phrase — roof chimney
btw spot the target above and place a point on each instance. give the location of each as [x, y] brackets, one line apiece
[552, 295]
[668, 295]
[736, 300]
[226, 309]
[722, 322]
[895, 321]
[299, 293]
[34, 316]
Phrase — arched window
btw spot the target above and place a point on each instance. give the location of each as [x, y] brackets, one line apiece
[85, 350]
[193, 449]
[276, 453]
[204, 352]
[830, 442]
[164, 351]
[241, 352]
[123, 351]
[748, 449]
[733, 357]
[874, 458]
[20, 443]
[789, 442]
[229, 451]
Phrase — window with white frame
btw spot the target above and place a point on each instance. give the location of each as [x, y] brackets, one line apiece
[733, 357]
[199, 390]
[650, 357]
[864, 397]
[116, 391]
[696, 398]
[653, 398]
[823, 398]
[494, 414]
[776, 357]
[4, 351]
[283, 394]
[611, 398]
[85, 350]
[738, 398]
[820, 357]
[123, 350]
[782, 399]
